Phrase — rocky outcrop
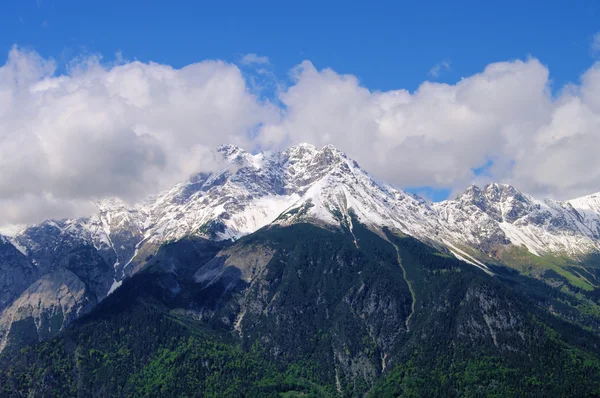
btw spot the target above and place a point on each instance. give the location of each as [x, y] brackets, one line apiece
[16, 272]
[497, 215]
[44, 308]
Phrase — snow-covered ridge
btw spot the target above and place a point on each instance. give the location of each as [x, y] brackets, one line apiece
[588, 207]
[325, 187]
[499, 214]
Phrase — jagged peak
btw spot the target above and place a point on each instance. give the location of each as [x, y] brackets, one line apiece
[111, 203]
[302, 153]
[471, 190]
[473, 195]
[500, 187]
[238, 158]
[303, 146]
[230, 151]
[252, 189]
[228, 148]
[306, 158]
[498, 192]
[470, 193]
[306, 148]
[493, 191]
[333, 149]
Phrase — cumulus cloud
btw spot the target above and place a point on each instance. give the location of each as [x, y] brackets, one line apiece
[127, 130]
[437, 69]
[504, 118]
[254, 59]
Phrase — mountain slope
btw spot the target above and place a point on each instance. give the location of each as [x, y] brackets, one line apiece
[588, 208]
[16, 272]
[304, 310]
[45, 308]
[57, 275]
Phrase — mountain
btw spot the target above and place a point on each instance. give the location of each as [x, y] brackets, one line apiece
[305, 184]
[304, 311]
[326, 188]
[500, 214]
[301, 263]
[321, 186]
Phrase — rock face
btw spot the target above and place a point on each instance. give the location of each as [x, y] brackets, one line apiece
[16, 272]
[301, 289]
[57, 276]
[499, 214]
[61, 245]
[49, 304]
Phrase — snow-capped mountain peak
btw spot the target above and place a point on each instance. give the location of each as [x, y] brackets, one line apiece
[325, 187]
[500, 214]
[247, 193]
[500, 201]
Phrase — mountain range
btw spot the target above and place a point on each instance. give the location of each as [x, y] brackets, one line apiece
[303, 253]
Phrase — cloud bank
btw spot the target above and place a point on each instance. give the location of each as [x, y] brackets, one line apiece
[127, 130]
[124, 130]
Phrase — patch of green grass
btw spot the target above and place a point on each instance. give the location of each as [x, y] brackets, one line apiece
[529, 264]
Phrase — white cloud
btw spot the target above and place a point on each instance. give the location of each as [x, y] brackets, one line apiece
[437, 69]
[126, 130]
[253, 59]
[437, 135]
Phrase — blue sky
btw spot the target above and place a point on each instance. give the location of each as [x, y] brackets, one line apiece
[386, 44]
[493, 120]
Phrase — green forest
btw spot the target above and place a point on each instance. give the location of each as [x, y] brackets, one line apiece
[329, 317]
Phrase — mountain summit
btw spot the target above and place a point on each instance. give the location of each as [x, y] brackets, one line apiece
[323, 187]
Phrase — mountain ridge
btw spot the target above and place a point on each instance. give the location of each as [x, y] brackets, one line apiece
[482, 226]
[273, 183]
[251, 191]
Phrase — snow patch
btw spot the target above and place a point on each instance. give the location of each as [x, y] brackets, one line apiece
[114, 286]
[462, 255]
